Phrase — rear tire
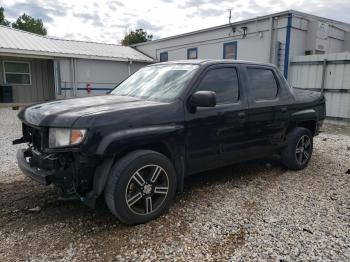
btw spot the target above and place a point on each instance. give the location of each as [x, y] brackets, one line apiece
[298, 152]
[141, 187]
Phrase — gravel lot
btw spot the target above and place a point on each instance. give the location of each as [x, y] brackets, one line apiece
[255, 211]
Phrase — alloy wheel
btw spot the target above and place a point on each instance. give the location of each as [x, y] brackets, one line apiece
[147, 189]
[303, 149]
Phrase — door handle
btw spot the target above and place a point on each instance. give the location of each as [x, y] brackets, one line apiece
[241, 115]
[284, 109]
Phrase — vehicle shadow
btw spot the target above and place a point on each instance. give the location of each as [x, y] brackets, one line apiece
[245, 172]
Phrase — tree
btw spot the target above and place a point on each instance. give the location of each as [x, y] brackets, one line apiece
[3, 21]
[135, 37]
[30, 24]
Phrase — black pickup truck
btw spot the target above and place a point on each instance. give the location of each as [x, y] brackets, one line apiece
[167, 121]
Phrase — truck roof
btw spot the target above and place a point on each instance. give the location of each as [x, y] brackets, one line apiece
[213, 61]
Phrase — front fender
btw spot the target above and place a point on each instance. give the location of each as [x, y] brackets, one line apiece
[119, 140]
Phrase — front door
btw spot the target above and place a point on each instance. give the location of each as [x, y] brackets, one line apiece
[215, 135]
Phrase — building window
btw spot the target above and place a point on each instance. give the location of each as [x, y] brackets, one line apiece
[192, 53]
[262, 84]
[230, 50]
[17, 73]
[163, 57]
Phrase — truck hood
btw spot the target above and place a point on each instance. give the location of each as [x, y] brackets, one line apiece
[63, 113]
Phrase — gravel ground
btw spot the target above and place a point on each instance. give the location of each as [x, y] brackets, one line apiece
[10, 129]
[254, 211]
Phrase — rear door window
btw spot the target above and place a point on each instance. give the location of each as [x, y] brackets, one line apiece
[262, 84]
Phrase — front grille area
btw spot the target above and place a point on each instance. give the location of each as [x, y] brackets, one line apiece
[34, 136]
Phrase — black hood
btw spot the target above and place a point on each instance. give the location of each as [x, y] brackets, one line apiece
[63, 113]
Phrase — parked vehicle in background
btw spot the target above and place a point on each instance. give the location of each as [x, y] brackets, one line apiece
[165, 122]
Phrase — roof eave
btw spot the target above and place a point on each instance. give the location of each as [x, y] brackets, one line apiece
[51, 55]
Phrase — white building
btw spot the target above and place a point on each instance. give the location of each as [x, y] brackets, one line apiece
[273, 39]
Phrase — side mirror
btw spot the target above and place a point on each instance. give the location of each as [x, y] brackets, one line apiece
[203, 99]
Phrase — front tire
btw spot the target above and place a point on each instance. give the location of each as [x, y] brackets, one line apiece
[298, 152]
[141, 187]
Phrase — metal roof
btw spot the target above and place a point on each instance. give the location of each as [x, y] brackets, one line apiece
[14, 41]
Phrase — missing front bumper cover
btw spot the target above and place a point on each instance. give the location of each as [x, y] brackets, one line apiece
[38, 174]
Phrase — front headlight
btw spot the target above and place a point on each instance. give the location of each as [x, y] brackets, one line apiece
[59, 137]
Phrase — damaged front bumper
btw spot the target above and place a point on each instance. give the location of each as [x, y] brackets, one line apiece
[59, 169]
[35, 166]
[75, 171]
[78, 176]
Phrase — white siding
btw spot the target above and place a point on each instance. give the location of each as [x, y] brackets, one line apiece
[347, 42]
[335, 45]
[338, 105]
[210, 43]
[100, 75]
[305, 74]
[305, 36]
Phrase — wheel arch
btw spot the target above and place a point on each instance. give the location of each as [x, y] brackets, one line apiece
[308, 124]
[171, 148]
[304, 118]
[165, 139]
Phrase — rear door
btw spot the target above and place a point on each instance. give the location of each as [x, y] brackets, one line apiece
[215, 135]
[268, 111]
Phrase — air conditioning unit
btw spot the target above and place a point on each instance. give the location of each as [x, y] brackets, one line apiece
[6, 94]
[317, 37]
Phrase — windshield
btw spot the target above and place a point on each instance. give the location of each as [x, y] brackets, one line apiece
[159, 82]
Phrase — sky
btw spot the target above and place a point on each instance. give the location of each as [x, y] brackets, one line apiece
[108, 21]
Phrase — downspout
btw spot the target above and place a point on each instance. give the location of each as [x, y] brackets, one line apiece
[324, 71]
[75, 83]
[271, 39]
[129, 66]
[57, 77]
[73, 76]
[286, 52]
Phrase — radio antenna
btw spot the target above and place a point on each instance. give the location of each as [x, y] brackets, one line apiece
[229, 20]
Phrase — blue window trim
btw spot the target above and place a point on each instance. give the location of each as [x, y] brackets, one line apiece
[234, 43]
[286, 53]
[192, 49]
[161, 54]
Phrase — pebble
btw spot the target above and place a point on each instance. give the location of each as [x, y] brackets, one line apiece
[35, 209]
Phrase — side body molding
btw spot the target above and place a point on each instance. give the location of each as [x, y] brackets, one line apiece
[306, 114]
